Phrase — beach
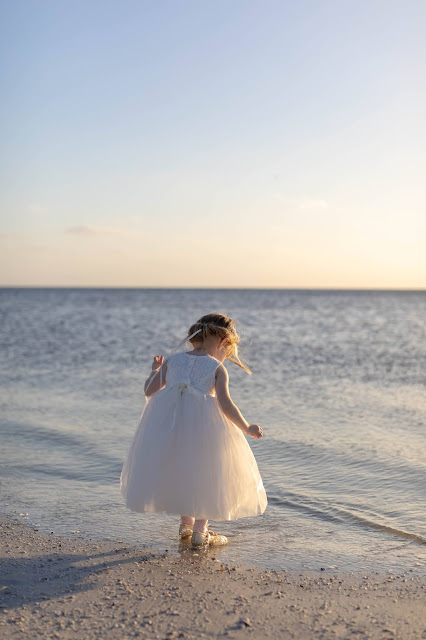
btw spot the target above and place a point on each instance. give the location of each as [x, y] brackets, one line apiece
[339, 551]
[60, 587]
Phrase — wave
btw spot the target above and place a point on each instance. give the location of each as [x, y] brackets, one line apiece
[340, 515]
[75, 457]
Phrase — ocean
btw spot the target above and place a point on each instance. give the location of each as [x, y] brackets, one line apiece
[338, 386]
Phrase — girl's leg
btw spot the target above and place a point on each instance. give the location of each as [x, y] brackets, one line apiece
[187, 520]
[200, 525]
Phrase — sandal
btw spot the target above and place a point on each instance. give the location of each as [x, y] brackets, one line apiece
[200, 539]
[185, 531]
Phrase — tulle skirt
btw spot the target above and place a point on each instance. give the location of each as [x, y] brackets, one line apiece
[188, 458]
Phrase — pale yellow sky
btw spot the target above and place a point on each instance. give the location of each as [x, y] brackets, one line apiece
[278, 243]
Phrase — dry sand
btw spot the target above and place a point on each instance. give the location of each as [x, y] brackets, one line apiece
[55, 587]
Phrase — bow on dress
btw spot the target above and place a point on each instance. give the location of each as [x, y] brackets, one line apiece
[172, 352]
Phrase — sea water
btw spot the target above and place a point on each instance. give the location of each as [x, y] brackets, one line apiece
[338, 386]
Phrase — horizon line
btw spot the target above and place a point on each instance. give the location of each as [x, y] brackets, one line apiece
[212, 288]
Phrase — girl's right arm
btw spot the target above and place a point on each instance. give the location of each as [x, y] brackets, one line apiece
[229, 407]
[152, 384]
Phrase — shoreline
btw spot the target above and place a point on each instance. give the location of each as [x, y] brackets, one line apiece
[58, 587]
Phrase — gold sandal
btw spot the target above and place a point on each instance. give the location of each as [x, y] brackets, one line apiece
[209, 537]
[185, 531]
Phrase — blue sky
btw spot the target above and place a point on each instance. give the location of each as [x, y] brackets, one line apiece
[213, 143]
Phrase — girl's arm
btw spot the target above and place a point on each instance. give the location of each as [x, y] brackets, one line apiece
[229, 408]
[152, 384]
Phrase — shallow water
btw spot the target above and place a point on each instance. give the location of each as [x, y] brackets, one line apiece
[338, 386]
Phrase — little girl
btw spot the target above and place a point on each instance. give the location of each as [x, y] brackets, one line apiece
[189, 455]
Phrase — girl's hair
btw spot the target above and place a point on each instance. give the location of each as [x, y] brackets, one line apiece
[218, 324]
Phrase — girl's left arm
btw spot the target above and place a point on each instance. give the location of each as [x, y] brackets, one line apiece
[152, 384]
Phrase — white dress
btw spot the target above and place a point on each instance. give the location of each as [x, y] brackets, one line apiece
[187, 457]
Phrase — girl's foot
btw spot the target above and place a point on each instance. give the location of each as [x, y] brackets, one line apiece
[185, 531]
[200, 539]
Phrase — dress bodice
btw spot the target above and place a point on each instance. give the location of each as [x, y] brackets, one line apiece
[197, 371]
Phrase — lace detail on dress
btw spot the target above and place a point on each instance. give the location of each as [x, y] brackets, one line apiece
[197, 371]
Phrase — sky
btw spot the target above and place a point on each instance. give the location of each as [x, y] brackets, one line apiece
[266, 143]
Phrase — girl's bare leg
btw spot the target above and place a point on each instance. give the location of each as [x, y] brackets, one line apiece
[200, 525]
[187, 520]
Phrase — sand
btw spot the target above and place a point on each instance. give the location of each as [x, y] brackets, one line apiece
[52, 587]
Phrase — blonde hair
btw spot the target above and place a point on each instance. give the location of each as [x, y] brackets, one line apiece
[218, 324]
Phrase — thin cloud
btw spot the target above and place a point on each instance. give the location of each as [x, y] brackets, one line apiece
[89, 230]
[135, 218]
[302, 202]
[310, 203]
[35, 208]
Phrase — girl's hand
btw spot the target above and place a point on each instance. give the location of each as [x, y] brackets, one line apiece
[157, 362]
[255, 431]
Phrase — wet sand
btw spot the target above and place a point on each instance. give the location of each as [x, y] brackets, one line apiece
[52, 587]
